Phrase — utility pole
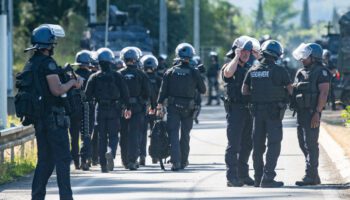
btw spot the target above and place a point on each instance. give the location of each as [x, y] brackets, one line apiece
[10, 49]
[3, 64]
[163, 27]
[196, 26]
[107, 23]
[92, 11]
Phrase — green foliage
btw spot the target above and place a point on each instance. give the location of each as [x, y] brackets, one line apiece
[10, 171]
[345, 114]
[13, 121]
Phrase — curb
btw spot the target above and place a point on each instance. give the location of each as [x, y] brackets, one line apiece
[336, 154]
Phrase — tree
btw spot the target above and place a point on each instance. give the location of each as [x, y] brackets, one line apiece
[305, 16]
[259, 22]
[277, 14]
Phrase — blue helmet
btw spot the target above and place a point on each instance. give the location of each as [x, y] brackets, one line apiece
[105, 55]
[149, 62]
[44, 36]
[316, 50]
[129, 54]
[272, 48]
[184, 50]
[83, 57]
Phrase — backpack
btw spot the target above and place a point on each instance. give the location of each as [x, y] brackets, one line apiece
[29, 99]
[160, 144]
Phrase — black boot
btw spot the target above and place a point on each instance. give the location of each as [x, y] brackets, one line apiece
[248, 181]
[142, 161]
[104, 169]
[85, 166]
[271, 184]
[307, 180]
[110, 161]
[132, 166]
[77, 164]
[176, 167]
[234, 182]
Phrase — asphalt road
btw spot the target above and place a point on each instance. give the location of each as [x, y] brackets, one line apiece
[203, 179]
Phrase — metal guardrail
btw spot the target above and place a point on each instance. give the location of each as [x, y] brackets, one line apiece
[12, 137]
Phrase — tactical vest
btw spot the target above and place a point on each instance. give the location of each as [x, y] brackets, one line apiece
[263, 89]
[181, 82]
[106, 87]
[134, 81]
[234, 86]
[306, 92]
[29, 99]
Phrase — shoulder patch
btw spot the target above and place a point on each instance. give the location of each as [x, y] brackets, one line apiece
[324, 73]
[52, 66]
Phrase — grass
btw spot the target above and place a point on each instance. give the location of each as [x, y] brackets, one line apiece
[10, 171]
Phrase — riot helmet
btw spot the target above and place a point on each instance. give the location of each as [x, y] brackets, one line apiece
[129, 54]
[44, 36]
[272, 48]
[83, 58]
[149, 62]
[304, 51]
[185, 51]
[244, 42]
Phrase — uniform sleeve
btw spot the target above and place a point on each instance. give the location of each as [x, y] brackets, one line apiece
[200, 82]
[247, 79]
[124, 90]
[145, 87]
[163, 92]
[323, 77]
[286, 80]
[90, 88]
[50, 67]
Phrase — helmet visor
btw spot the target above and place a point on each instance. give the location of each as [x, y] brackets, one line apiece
[302, 52]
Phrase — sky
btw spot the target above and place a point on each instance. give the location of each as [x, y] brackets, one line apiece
[320, 10]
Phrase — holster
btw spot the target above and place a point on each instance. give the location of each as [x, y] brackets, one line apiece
[58, 119]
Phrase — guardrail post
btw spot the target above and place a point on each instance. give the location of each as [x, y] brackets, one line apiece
[22, 150]
[12, 154]
[2, 156]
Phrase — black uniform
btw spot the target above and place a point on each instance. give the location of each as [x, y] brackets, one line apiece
[213, 84]
[267, 83]
[239, 126]
[111, 92]
[131, 130]
[331, 97]
[155, 82]
[306, 98]
[76, 125]
[179, 86]
[51, 132]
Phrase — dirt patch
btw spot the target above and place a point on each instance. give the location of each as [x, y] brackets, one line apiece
[334, 124]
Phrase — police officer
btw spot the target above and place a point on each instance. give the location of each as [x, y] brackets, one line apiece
[111, 92]
[83, 60]
[332, 69]
[93, 124]
[51, 128]
[239, 120]
[311, 88]
[163, 66]
[197, 64]
[131, 130]
[149, 64]
[212, 75]
[179, 86]
[268, 84]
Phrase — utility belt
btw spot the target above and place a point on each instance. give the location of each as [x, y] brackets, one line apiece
[230, 102]
[182, 103]
[58, 118]
[108, 103]
[276, 110]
